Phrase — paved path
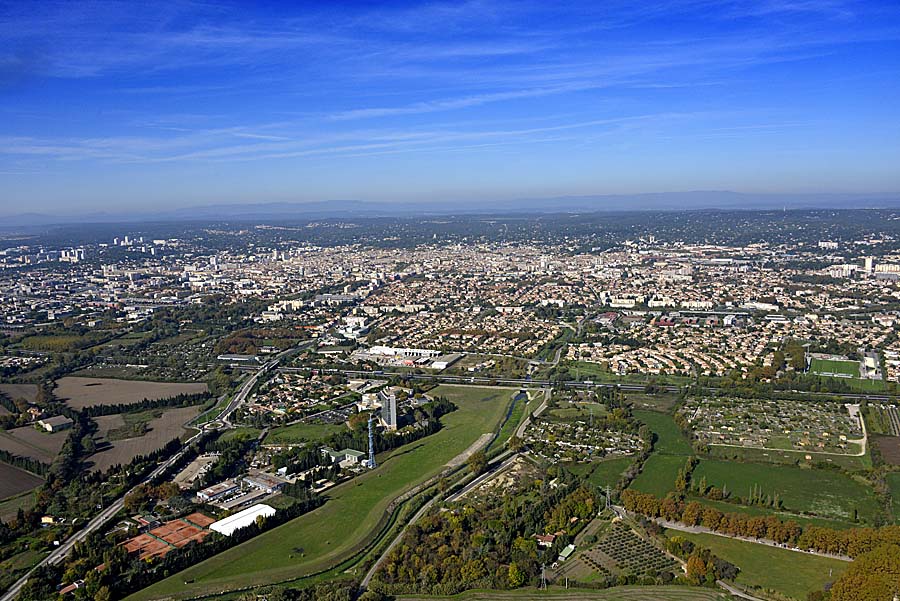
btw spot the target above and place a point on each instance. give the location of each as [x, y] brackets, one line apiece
[759, 541]
[736, 592]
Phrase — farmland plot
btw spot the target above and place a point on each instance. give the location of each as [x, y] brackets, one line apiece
[86, 392]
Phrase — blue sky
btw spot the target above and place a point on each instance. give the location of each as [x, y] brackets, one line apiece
[162, 104]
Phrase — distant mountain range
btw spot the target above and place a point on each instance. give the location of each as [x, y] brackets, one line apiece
[329, 209]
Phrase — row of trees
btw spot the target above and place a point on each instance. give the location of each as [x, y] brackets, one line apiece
[852, 543]
[26, 463]
[179, 400]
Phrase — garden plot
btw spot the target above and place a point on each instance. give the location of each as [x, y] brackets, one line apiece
[577, 441]
[813, 427]
[621, 551]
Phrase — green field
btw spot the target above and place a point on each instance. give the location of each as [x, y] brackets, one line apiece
[658, 475]
[826, 493]
[670, 440]
[129, 339]
[726, 507]
[242, 432]
[566, 411]
[849, 462]
[830, 366]
[607, 473]
[787, 572]
[619, 593]
[302, 432]
[335, 531]
[670, 452]
[893, 482]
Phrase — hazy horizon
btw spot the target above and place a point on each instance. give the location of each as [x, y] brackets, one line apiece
[118, 107]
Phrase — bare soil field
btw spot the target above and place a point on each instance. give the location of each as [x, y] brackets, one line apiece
[105, 423]
[162, 430]
[86, 392]
[889, 447]
[20, 391]
[10, 507]
[29, 442]
[14, 481]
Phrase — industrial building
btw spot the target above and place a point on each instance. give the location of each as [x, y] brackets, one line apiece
[264, 481]
[241, 519]
[217, 491]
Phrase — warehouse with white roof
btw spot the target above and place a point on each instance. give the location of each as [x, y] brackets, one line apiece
[241, 519]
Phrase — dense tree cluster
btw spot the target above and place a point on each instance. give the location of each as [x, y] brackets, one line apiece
[873, 576]
[703, 568]
[489, 544]
[26, 463]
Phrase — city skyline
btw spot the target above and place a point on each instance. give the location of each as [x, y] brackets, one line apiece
[121, 107]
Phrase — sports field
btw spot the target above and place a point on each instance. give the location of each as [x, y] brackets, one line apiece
[334, 532]
[670, 452]
[619, 593]
[833, 366]
[787, 572]
[823, 492]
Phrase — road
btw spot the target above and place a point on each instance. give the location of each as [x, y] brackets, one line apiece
[579, 384]
[758, 541]
[98, 521]
[736, 592]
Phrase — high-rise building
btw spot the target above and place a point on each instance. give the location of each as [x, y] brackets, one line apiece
[389, 410]
[870, 265]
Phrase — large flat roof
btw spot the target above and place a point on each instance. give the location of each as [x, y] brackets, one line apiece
[241, 519]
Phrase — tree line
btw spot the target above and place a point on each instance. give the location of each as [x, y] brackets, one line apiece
[179, 400]
[852, 542]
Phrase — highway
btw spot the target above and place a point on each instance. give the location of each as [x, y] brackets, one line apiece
[577, 384]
